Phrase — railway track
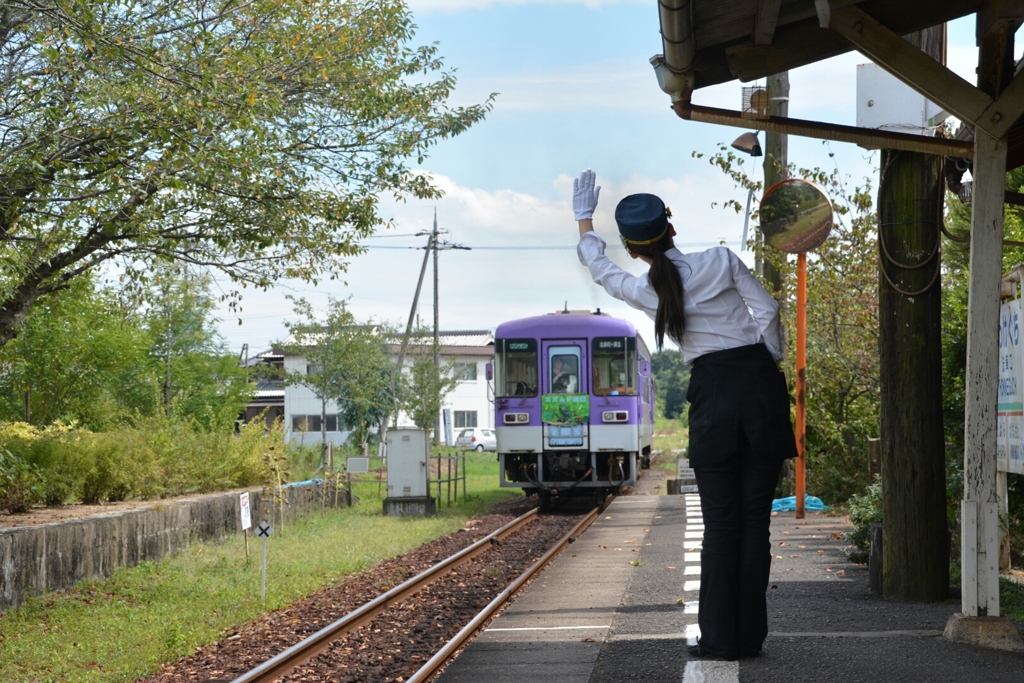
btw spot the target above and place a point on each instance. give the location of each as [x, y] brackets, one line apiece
[316, 644]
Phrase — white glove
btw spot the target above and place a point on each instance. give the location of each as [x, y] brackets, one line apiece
[584, 195]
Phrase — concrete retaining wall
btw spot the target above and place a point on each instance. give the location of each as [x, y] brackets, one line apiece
[50, 557]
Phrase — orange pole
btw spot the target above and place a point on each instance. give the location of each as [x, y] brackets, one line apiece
[801, 378]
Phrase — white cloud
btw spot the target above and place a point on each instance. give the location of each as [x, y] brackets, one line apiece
[424, 6]
[599, 86]
[483, 287]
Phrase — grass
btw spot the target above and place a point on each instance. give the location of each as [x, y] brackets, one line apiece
[129, 625]
[1011, 599]
[669, 435]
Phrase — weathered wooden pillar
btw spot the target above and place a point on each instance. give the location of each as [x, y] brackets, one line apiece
[915, 566]
[980, 507]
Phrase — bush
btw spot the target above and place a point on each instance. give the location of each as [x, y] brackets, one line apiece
[865, 510]
[151, 458]
[20, 483]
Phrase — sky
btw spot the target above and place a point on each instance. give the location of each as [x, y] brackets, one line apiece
[575, 91]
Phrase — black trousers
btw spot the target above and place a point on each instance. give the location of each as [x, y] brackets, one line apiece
[740, 432]
[736, 502]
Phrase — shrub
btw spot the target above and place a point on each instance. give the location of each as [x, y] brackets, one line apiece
[865, 510]
[20, 483]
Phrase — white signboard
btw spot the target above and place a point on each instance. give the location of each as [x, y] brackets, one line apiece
[683, 469]
[358, 465]
[246, 517]
[1010, 442]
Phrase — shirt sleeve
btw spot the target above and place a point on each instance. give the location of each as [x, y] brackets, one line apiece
[635, 291]
[762, 306]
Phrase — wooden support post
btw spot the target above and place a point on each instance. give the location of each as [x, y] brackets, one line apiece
[980, 572]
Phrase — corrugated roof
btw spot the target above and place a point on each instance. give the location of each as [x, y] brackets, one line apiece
[446, 338]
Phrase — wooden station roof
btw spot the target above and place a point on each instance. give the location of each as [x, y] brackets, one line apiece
[747, 40]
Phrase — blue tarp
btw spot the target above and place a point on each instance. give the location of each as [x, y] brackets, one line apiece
[789, 504]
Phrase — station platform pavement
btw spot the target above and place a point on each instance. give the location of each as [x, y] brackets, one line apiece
[620, 604]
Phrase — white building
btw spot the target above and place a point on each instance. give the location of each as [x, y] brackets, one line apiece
[469, 404]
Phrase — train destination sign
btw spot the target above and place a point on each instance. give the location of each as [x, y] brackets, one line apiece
[565, 410]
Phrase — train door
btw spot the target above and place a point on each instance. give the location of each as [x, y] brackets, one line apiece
[565, 401]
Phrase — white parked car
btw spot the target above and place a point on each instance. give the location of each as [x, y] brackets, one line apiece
[477, 438]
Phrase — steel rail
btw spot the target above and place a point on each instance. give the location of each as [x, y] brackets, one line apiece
[460, 638]
[304, 650]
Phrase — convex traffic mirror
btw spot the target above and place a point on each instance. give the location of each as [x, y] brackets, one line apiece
[796, 216]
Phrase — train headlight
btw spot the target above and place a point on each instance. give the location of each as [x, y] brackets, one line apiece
[614, 416]
[516, 418]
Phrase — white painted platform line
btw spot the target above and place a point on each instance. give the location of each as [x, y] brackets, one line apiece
[692, 633]
[691, 545]
[693, 534]
[691, 557]
[711, 672]
[691, 585]
[695, 526]
[691, 607]
[550, 628]
[692, 570]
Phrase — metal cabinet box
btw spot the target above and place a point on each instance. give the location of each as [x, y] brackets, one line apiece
[407, 463]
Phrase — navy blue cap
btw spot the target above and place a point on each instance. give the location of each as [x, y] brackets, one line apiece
[642, 218]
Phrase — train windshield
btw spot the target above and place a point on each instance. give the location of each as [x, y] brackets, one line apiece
[515, 367]
[614, 366]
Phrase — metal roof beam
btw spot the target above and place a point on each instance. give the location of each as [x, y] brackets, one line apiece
[913, 67]
[865, 137]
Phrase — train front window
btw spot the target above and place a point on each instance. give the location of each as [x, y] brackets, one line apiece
[614, 366]
[515, 367]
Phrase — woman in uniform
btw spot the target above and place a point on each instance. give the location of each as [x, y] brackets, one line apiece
[727, 327]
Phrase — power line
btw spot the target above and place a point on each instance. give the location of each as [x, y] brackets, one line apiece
[551, 247]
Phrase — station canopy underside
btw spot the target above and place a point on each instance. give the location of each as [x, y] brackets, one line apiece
[747, 40]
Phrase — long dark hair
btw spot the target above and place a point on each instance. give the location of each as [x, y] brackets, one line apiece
[668, 284]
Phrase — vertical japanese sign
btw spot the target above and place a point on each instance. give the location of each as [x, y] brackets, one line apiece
[1011, 389]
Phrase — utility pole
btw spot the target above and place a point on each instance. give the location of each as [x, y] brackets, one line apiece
[434, 245]
[915, 556]
[437, 350]
[776, 162]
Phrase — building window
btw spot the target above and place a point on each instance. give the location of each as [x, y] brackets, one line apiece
[311, 423]
[312, 369]
[465, 418]
[464, 372]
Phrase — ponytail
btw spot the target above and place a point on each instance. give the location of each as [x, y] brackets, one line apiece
[668, 284]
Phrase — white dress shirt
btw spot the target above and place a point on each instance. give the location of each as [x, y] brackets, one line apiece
[724, 306]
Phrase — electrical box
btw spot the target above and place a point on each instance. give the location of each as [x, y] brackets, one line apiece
[886, 103]
[407, 463]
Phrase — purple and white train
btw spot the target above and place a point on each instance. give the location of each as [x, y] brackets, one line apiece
[573, 402]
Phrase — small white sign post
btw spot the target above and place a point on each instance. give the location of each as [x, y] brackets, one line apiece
[263, 531]
[243, 504]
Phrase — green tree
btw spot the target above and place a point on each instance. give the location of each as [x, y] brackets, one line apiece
[346, 362]
[672, 377]
[255, 138]
[198, 377]
[427, 383]
[81, 356]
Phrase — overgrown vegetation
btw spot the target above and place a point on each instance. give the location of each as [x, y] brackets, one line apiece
[151, 457]
[672, 379]
[865, 510]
